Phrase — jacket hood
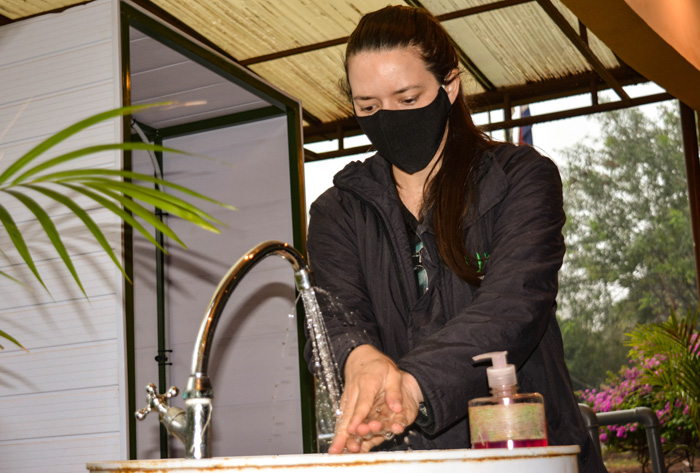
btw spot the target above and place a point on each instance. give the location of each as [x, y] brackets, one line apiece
[372, 179]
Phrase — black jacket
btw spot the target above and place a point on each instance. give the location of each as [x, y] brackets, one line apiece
[359, 252]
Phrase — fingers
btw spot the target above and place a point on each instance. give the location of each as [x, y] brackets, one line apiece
[376, 402]
[368, 445]
[362, 408]
[354, 444]
[375, 426]
[341, 437]
[394, 391]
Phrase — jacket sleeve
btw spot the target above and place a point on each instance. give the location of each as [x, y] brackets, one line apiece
[515, 303]
[333, 257]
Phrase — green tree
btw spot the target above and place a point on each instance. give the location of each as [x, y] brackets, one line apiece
[629, 239]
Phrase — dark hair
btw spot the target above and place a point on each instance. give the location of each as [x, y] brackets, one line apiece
[452, 191]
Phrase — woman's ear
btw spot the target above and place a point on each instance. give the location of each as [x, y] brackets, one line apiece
[452, 85]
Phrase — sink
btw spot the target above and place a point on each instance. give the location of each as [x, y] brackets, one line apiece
[561, 459]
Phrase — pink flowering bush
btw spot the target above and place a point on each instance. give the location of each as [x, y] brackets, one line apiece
[662, 375]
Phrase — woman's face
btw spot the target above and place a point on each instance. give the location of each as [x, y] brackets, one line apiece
[392, 79]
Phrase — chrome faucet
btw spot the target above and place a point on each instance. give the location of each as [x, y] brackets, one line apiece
[193, 424]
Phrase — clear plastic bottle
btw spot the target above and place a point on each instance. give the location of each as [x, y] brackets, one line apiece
[507, 419]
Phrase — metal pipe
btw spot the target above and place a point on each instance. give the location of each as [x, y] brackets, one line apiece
[648, 419]
[590, 420]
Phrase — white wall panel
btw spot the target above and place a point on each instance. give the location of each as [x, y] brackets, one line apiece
[47, 35]
[71, 412]
[74, 234]
[61, 323]
[96, 272]
[67, 70]
[103, 133]
[60, 369]
[58, 455]
[254, 358]
[62, 403]
[49, 114]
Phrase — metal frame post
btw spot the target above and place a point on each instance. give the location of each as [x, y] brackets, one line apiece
[692, 166]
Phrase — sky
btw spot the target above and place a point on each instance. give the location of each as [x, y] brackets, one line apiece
[549, 138]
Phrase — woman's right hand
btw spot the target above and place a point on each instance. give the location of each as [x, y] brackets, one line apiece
[372, 382]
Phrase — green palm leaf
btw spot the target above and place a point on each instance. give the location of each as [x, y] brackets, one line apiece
[18, 240]
[158, 199]
[66, 133]
[111, 189]
[88, 151]
[86, 219]
[678, 341]
[51, 232]
[118, 211]
[7, 336]
[91, 173]
[13, 279]
[140, 211]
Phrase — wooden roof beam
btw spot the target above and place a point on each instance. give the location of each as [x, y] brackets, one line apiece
[582, 47]
[480, 9]
[468, 63]
[519, 95]
[624, 25]
[293, 51]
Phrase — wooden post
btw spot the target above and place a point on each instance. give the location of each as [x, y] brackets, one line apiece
[692, 166]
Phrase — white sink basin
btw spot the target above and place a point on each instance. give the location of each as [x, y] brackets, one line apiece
[522, 460]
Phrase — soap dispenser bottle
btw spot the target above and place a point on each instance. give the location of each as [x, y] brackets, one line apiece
[507, 419]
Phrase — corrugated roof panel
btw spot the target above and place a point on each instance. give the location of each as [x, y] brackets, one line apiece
[312, 77]
[440, 7]
[15, 9]
[253, 28]
[516, 45]
[605, 54]
[602, 52]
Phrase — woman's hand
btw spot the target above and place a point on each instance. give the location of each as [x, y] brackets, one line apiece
[378, 399]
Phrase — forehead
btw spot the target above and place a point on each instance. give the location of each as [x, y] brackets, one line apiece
[387, 70]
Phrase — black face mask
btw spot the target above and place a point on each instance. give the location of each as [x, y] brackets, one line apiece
[409, 139]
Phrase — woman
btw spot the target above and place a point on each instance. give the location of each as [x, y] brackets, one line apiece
[444, 245]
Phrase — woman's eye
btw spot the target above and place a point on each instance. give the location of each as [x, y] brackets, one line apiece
[368, 109]
[409, 101]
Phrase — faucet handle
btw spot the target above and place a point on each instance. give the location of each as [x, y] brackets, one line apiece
[156, 401]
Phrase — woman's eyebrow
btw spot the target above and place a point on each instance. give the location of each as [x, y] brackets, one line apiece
[398, 92]
[406, 89]
[362, 97]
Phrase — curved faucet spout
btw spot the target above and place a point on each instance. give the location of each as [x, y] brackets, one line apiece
[303, 279]
[200, 392]
[193, 424]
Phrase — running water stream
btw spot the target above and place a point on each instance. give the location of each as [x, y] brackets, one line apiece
[328, 384]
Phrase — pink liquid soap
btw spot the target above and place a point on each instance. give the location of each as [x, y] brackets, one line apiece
[511, 444]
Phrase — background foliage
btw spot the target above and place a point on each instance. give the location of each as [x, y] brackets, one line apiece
[662, 374]
[629, 240]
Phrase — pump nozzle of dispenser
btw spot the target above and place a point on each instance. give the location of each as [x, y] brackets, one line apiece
[501, 375]
[506, 419]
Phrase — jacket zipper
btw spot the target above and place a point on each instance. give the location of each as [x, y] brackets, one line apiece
[397, 268]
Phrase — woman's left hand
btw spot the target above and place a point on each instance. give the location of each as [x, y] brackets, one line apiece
[378, 399]
[382, 422]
